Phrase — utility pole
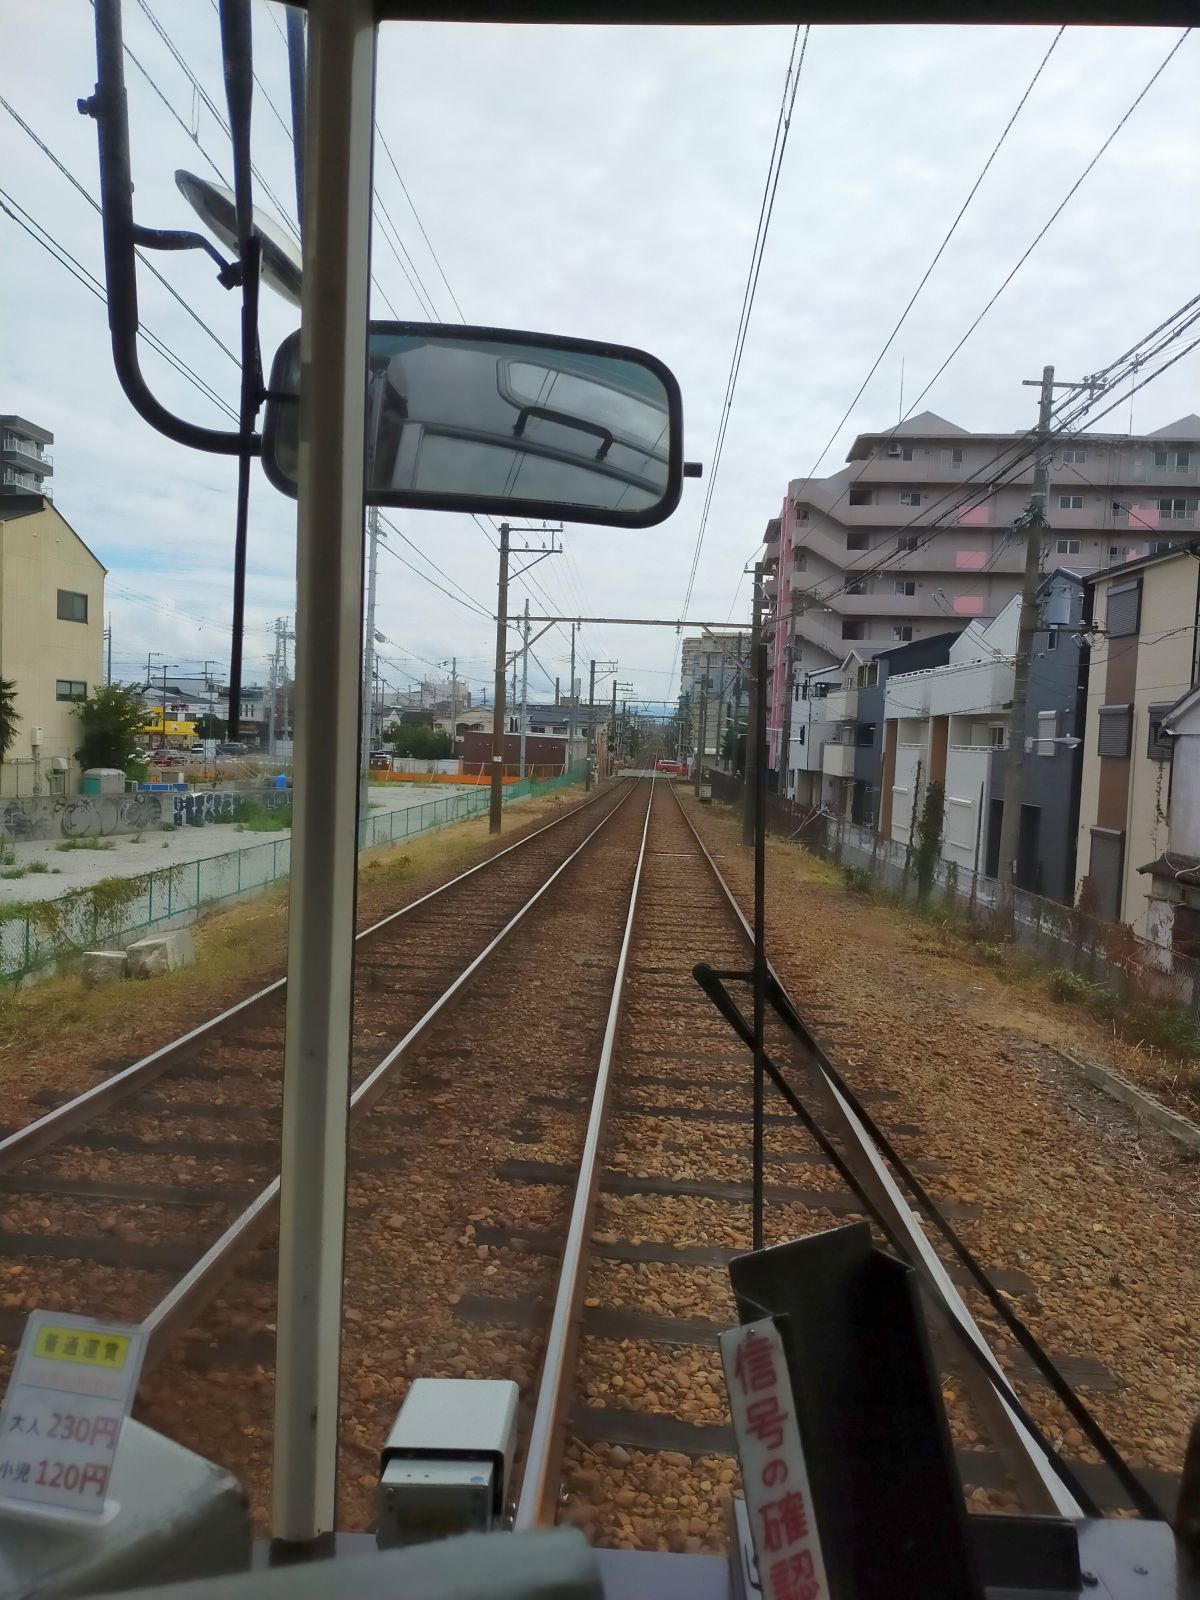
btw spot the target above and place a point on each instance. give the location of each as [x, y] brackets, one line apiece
[757, 693]
[497, 794]
[453, 703]
[368, 689]
[591, 739]
[271, 680]
[524, 687]
[108, 641]
[1034, 522]
[701, 707]
[571, 699]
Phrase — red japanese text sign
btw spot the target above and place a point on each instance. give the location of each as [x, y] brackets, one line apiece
[774, 1476]
[69, 1394]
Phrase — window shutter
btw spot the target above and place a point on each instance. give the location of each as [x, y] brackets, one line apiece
[1121, 615]
[1115, 730]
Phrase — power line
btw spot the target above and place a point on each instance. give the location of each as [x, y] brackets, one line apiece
[95, 205]
[449, 593]
[63, 256]
[938, 253]
[766, 208]
[400, 534]
[387, 150]
[1014, 271]
[215, 112]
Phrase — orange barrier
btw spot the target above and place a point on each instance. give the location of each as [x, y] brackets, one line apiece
[474, 778]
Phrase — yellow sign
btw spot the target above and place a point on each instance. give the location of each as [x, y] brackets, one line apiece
[108, 1350]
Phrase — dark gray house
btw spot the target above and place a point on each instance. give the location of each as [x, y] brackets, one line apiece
[1053, 746]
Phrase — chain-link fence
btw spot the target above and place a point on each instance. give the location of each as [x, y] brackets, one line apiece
[36, 935]
[1107, 954]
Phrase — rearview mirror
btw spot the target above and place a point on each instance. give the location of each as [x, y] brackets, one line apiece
[488, 420]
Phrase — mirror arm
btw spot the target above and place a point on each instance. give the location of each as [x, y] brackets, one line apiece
[110, 109]
[693, 469]
[561, 417]
[229, 273]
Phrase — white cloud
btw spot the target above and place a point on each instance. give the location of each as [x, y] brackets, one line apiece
[607, 183]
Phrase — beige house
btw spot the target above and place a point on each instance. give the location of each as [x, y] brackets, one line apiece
[51, 641]
[1143, 661]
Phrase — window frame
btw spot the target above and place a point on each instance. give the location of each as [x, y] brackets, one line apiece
[1060, 551]
[1070, 502]
[1112, 716]
[72, 594]
[70, 684]
[902, 632]
[911, 497]
[907, 587]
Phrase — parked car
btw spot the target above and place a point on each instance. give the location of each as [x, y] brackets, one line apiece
[167, 758]
[230, 747]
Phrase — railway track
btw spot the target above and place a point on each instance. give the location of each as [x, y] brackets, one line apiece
[550, 1191]
[137, 1197]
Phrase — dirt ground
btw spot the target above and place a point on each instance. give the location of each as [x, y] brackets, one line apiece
[1103, 1218]
[57, 1035]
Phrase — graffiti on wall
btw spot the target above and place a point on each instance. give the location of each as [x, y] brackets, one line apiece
[89, 816]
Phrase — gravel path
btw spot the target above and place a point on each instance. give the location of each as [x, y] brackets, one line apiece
[1106, 1222]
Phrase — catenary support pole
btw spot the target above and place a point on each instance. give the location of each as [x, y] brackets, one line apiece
[758, 737]
[524, 686]
[591, 738]
[497, 794]
[571, 700]
[368, 724]
[758, 690]
[1014, 761]
[316, 1076]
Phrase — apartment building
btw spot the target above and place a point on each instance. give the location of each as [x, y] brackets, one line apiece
[1143, 660]
[25, 462]
[51, 641]
[878, 554]
[836, 726]
[714, 685]
[949, 724]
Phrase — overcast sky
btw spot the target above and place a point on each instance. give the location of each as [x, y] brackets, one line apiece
[606, 183]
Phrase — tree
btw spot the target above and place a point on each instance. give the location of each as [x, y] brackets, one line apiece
[9, 715]
[211, 726]
[111, 720]
[424, 744]
[929, 838]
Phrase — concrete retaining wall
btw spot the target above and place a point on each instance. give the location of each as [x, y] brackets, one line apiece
[85, 816]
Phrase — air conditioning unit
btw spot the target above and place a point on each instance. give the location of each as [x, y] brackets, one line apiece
[58, 763]
[894, 449]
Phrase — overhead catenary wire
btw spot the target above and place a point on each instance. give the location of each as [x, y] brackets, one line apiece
[939, 252]
[1011, 275]
[42, 236]
[95, 205]
[766, 210]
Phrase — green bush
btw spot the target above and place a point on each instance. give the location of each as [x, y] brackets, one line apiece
[1064, 985]
[1166, 1027]
[858, 880]
[85, 844]
[252, 816]
[12, 872]
[38, 866]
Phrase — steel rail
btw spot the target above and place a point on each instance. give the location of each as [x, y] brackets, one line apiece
[182, 1303]
[47, 1130]
[543, 1458]
[1035, 1475]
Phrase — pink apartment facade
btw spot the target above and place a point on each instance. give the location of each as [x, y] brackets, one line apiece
[869, 557]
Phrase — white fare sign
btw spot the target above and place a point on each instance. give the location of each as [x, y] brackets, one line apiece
[68, 1396]
[774, 1476]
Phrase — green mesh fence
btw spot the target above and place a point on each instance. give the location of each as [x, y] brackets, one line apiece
[36, 934]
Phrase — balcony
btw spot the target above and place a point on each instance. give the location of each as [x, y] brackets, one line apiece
[26, 452]
[841, 705]
[983, 686]
[837, 759]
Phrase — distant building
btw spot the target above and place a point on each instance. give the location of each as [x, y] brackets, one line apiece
[949, 724]
[872, 556]
[25, 462]
[51, 641]
[1143, 661]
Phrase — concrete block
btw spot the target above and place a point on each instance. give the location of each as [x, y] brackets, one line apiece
[98, 967]
[162, 952]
